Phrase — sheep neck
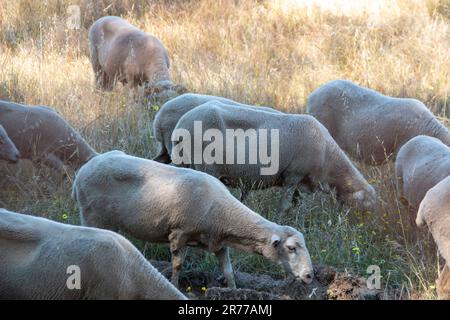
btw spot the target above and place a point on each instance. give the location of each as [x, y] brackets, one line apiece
[440, 132]
[84, 153]
[246, 230]
[158, 72]
[343, 170]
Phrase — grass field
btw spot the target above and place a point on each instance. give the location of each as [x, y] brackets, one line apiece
[269, 52]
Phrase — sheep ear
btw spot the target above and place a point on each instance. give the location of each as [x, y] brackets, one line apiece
[275, 241]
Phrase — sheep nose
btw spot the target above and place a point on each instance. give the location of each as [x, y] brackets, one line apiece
[307, 278]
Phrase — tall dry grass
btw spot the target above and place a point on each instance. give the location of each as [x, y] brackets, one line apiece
[269, 52]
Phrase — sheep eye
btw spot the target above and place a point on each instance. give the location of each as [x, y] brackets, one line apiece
[2, 141]
[292, 249]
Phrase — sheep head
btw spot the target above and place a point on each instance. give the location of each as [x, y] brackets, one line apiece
[289, 249]
[164, 90]
[366, 198]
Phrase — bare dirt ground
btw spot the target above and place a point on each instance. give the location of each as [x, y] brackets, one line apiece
[328, 284]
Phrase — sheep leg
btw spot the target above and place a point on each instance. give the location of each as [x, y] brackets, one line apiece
[99, 79]
[103, 81]
[296, 197]
[244, 194]
[100, 75]
[308, 185]
[177, 264]
[286, 200]
[225, 264]
[399, 186]
[302, 188]
[178, 250]
[291, 185]
[135, 93]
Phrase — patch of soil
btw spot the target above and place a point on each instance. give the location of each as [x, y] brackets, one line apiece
[346, 287]
[216, 293]
[327, 284]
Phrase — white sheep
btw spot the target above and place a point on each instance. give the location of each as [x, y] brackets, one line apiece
[307, 155]
[43, 259]
[42, 135]
[167, 117]
[421, 163]
[8, 150]
[369, 125]
[434, 210]
[159, 203]
[121, 52]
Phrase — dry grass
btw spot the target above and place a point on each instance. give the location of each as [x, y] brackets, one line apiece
[269, 52]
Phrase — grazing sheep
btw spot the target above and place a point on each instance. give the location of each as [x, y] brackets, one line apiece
[8, 150]
[307, 154]
[369, 125]
[434, 210]
[159, 203]
[121, 52]
[169, 114]
[39, 256]
[42, 135]
[421, 163]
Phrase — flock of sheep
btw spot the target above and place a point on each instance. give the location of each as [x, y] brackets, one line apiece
[157, 202]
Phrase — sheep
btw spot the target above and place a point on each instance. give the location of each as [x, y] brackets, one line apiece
[304, 155]
[421, 163]
[160, 203]
[169, 114]
[368, 125]
[121, 52]
[8, 150]
[434, 210]
[42, 135]
[41, 259]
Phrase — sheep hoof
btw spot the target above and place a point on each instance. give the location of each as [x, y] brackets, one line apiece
[232, 286]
